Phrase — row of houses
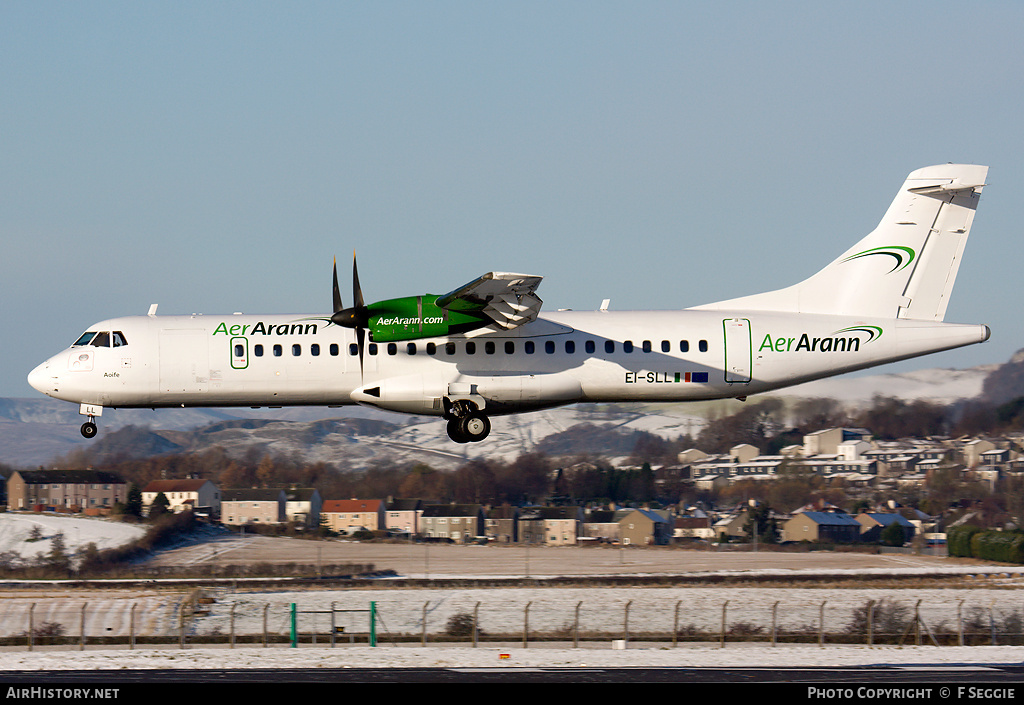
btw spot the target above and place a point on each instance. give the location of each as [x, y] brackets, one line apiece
[824, 525]
[852, 454]
[95, 492]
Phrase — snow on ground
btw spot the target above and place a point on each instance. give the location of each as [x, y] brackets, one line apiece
[500, 611]
[684, 656]
[16, 532]
[602, 609]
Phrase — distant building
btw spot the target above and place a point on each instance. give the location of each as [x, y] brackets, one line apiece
[832, 527]
[302, 505]
[201, 496]
[89, 491]
[501, 524]
[873, 524]
[347, 516]
[644, 527]
[253, 506]
[403, 516]
[552, 526]
[460, 523]
[693, 527]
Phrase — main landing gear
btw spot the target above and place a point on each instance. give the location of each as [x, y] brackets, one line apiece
[466, 424]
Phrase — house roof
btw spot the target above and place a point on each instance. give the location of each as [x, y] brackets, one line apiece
[527, 513]
[832, 519]
[252, 495]
[404, 505]
[35, 477]
[653, 516]
[451, 510]
[351, 506]
[174, 485]
[884, 518]
[300, 494]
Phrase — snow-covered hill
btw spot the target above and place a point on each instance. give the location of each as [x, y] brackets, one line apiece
[34, 431]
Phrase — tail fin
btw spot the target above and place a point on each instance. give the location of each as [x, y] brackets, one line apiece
[905, 268]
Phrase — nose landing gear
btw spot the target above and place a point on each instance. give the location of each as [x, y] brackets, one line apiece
[90, 411]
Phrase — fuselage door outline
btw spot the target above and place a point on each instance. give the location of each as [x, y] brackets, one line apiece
[738, 350]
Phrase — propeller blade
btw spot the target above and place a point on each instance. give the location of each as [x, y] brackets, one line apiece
[338, 306]
[357, 291]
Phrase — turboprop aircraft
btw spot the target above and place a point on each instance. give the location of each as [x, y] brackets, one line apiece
[485, 350]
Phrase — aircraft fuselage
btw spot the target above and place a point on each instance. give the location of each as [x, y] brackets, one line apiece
[561, 358]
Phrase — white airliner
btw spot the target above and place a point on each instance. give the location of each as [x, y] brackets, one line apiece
[483, 350]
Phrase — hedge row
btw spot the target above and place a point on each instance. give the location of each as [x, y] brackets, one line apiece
[973, 542]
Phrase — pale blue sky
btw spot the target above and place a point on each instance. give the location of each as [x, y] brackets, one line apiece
[215, 156]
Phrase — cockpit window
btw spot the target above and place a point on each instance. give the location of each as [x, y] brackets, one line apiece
[86, 337]
[102, 340]
[119, 339]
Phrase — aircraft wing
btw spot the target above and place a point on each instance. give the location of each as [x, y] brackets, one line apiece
[508, 299]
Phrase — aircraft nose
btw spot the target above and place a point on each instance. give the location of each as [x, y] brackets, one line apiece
[39, 378]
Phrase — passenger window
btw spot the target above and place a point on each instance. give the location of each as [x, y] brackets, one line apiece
[703, 346]
[529, 347]
[590, 347]
[489, 347]
[627, 346]
[449, 348]
[647, 346]
[258, 350]
[684, 346]
[239, 351]
[334, 349]
[314, 349]
[411, 348]
[373, 348]
[549, 347]
[510, 347]
[666, 346]
[471, 348]
[609, 346]
[119, 339]
[296, 350]
[353, 349]
[431, 348]
[277, 351]
[570, 346]
[392, 349]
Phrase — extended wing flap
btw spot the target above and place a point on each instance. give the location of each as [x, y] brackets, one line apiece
[508, 299]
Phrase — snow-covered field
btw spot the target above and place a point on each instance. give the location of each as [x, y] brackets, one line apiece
[610, 613]
[16, 532]
[505, 611]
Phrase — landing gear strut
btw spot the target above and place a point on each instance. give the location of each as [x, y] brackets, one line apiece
[466, 424]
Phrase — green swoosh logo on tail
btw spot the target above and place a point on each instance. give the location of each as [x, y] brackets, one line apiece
[903, 255]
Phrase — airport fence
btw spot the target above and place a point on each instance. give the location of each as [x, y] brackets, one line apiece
[201, 619]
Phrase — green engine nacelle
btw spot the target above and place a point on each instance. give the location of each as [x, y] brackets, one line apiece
[413, 317]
